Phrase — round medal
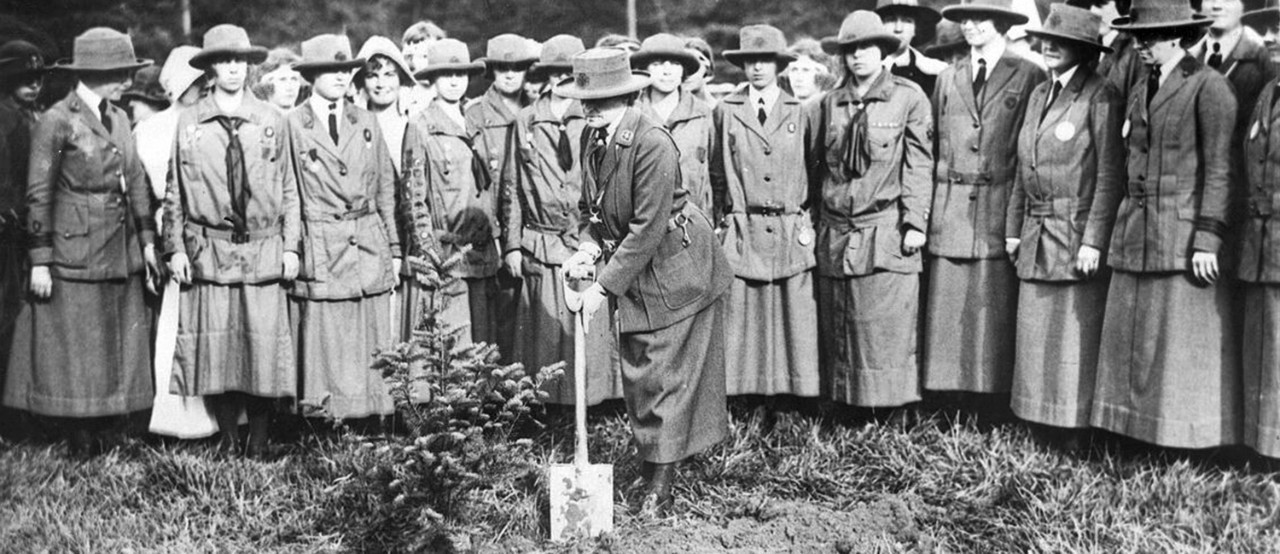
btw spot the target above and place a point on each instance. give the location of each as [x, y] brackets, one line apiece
[1064, 131]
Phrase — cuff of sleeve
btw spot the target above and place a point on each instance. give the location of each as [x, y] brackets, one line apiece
[148, 236]
[1206, 241]
[913, 221]
[41, 255]
[610, 283]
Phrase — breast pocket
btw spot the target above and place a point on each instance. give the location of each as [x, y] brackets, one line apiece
[883, 139]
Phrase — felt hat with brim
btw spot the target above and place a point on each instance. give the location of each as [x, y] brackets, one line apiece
[760, 41]
[1265, 15]
[508, 48]
[224, 41]
[996, 10]
[382, 46]
[1073, 25]
[449, 54]
[602, 73]
[1160, 15]
[19, 57]
[926, 18]
[949, 39]
[557, 56]
[859, 28]
[146, 86]
[102, 49]
[178, 75]
[665, 46]
[325, 53]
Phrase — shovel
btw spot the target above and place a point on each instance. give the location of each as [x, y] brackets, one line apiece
[581, 492]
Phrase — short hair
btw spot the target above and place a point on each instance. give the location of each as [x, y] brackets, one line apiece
[376, 63]
[812, 49]
[276, 58]
[420, 31]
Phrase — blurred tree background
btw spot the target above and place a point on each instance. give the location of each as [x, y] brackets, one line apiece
[156, 25]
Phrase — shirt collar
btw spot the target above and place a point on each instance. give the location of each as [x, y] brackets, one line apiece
[1167, 68]
[321, 106]
[1228, 42]
[1065, 78]
[90, 99]
[1109, 38]
[997, 51]
[769, 95]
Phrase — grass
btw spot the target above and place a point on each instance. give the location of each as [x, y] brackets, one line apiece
[939, 485]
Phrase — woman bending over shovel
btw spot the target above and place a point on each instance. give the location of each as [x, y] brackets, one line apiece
[662, 271]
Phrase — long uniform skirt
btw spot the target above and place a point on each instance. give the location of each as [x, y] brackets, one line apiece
[1261, 362]
[413, 301]
[234, 338]
[1168, 369]
[83, 352]
[969, 325]
[493, 302]
[771, 337]
[336, 341]
[13, 289]
[869, 341]
[545, 328]
[674, 383]
[1059, 329]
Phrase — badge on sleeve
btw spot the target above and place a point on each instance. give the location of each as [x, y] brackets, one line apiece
[1124, 131]
[1064, 131]
[626, 135]
[1253, 131]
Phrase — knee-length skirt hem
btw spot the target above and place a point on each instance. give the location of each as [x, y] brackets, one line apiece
[336, 342]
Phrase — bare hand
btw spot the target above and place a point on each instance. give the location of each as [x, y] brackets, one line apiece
[513, 260]
[180, 268]
[397, 264]
[289, 263]
[592, 299]
[154, 286]
[912, 242]
[1087, 260]
[581, 265]
[41, 281]
[1011, 248]
[1205, 266]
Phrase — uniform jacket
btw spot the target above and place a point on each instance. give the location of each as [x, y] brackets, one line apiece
[347, 194]
[446, 205]
[920, 69]
[1248, 67]
[761, 186]
[539, 203]
[691, 126]
[1178, 191]
[1259, 235]
[862, 218]
[197, 206]
[88, 198]
[489, 126]
[15, 152]
[1062, 156]
[663, 262]
[977, 155]
[1122, 67]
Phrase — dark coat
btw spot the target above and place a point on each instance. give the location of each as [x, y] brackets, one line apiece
[15, 153]
[691, 128]
[977, 156]
[489, 124]
[1259, 237]
[641, 220]
[1061, 160]
[89, 202]
[1122, 67]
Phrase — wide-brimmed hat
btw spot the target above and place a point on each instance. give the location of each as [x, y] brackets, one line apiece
[759, 41]
[926, 18]
[227, 40]
[702, 50]
[949, 38]
[1155, 15]
[102, 49]
[665, 46]
[1261, 15]
[508, 48]
[601, 73]
[146, 86]
[557, 55]
[449, 54]
[1075, 25]
[19, 57]
[985, 9]
[383, 46]
[178, 75]
[862, 27]
[327, 53]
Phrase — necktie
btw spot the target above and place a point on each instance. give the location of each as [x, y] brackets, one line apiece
[601, 145]
[104, 113]
[333, 122]
[564, 154]
[980, 79]
[478, 171]
[857, 152]
[237, 179]
[1215, 60]
[1053, 95]
[760, 112]
[1153, 84]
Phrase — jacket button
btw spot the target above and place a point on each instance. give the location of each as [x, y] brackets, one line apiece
[977, 125]
[348, 206]
[768, 229]
[337, 217]
[973, 196]
[974, 148]
[1142, 177]
[768, 178]
[352, 241]
[1033, 167]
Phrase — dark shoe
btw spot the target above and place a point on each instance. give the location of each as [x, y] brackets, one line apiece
[81, 444]
[229, 443]
[658, 498]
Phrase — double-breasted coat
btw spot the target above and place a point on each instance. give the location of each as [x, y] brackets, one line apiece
[691, 126]
[1168, 368]
[761, 185]
[233, 327]
[871, 158]
[342, 307]
[665, 273]
[972, 297]
[89, 212]
[1065, 152]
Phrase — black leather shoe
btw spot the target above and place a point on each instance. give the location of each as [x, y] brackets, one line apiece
[658, 498]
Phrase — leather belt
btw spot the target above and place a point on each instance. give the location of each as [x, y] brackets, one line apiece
[348, 215]
[231, 235]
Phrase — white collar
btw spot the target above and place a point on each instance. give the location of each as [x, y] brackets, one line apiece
[613, 125]
[1110, 37]
[90, 98]
[667, 106]
[321, 106]
[1228, 42]
[1065, 78]
[769, 96]
[1167, 68]
[997, 52]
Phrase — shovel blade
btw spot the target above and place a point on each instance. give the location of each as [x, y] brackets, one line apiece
[581, 500]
